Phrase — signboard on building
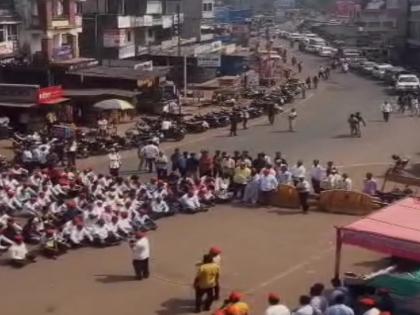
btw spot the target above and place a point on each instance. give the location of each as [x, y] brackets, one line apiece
[209, 61]
[19, 93]
[59, 23]
[49, 94]
[6, 48]
[167, 21]
[115, 38]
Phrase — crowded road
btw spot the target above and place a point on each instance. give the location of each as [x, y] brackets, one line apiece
[322, 128]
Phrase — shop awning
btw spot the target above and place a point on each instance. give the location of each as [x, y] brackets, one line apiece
[54, 101]
[394, 230]
[17, 105]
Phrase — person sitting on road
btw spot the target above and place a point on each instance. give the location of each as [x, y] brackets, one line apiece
[19, 253]
[190, 203]
[160, 208]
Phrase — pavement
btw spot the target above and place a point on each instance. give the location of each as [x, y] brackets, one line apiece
[264, 249]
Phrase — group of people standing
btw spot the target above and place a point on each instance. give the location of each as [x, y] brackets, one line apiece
[337, 300]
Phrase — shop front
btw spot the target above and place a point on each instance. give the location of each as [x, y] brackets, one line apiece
[29, 106]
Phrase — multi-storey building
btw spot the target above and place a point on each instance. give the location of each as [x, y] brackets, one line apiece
[9, 24]
[50, 29]
[413, 33]
[119, 29]
[384, 24]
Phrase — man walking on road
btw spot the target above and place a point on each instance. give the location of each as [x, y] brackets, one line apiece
[150, 153]
[292, 120]
[206, 280]
[141, 253]
[233, 124]
[386, 108]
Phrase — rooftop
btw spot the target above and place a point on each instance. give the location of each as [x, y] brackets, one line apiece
[121, 72]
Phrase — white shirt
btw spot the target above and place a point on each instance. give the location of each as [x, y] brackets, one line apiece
[278, 309]
[18, 251]
[372, 311]
[339, 309]
[317, 172]
[114, 160]
[386, 107]
[268, 183]
[298, 171]
[347, 184]
[305, 310]
[150, 151]
[141, 249]
[190, 202]
[166, 125]
[320, 304]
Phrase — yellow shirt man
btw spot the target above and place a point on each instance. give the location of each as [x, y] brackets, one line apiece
[208, 275]
[241, 175]
[242, 307]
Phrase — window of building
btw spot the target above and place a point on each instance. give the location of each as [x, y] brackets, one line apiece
[78, 8]
[129, 37]
[34, 8]
[58, 8]
[2, 35]
[208, 7]
[11, 32]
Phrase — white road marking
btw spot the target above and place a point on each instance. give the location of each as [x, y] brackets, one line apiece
[291, 270]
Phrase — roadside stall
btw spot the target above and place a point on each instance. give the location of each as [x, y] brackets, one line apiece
[28, 106]
[394, 231]
[116, 110]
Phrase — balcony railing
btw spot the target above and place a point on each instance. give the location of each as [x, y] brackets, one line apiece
[60, 22]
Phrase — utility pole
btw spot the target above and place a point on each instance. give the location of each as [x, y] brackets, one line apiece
[178, 27]
[185, 75]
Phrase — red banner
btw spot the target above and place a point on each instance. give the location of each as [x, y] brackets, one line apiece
[49, 94]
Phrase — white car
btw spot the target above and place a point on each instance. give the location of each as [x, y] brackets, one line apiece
[407, 82]
[326, 51]
[312, 48]
[379, 70]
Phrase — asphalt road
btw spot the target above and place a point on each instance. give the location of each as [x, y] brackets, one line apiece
[263, 249]
[322, 128]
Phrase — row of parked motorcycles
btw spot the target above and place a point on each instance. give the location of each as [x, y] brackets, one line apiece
[91, 142]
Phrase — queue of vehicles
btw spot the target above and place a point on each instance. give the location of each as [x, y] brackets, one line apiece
[399, 78]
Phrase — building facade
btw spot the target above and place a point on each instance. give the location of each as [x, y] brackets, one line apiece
[383, 23]
[50, 29]
[9, 26]
[120, 29]
[413, 33]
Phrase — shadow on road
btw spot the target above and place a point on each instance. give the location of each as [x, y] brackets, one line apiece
[176, 306]
[376, 120]
[286, 211]
[282, 131]
[343, 136]
[115, 278]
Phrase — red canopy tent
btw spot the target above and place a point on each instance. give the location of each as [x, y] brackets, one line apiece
[394, 230]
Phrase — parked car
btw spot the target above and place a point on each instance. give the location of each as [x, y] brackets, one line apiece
[407, 82]
[326, 51]
[391, 75]
[312, 48]
[378, 71]
[368, 67]
[356, 63]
